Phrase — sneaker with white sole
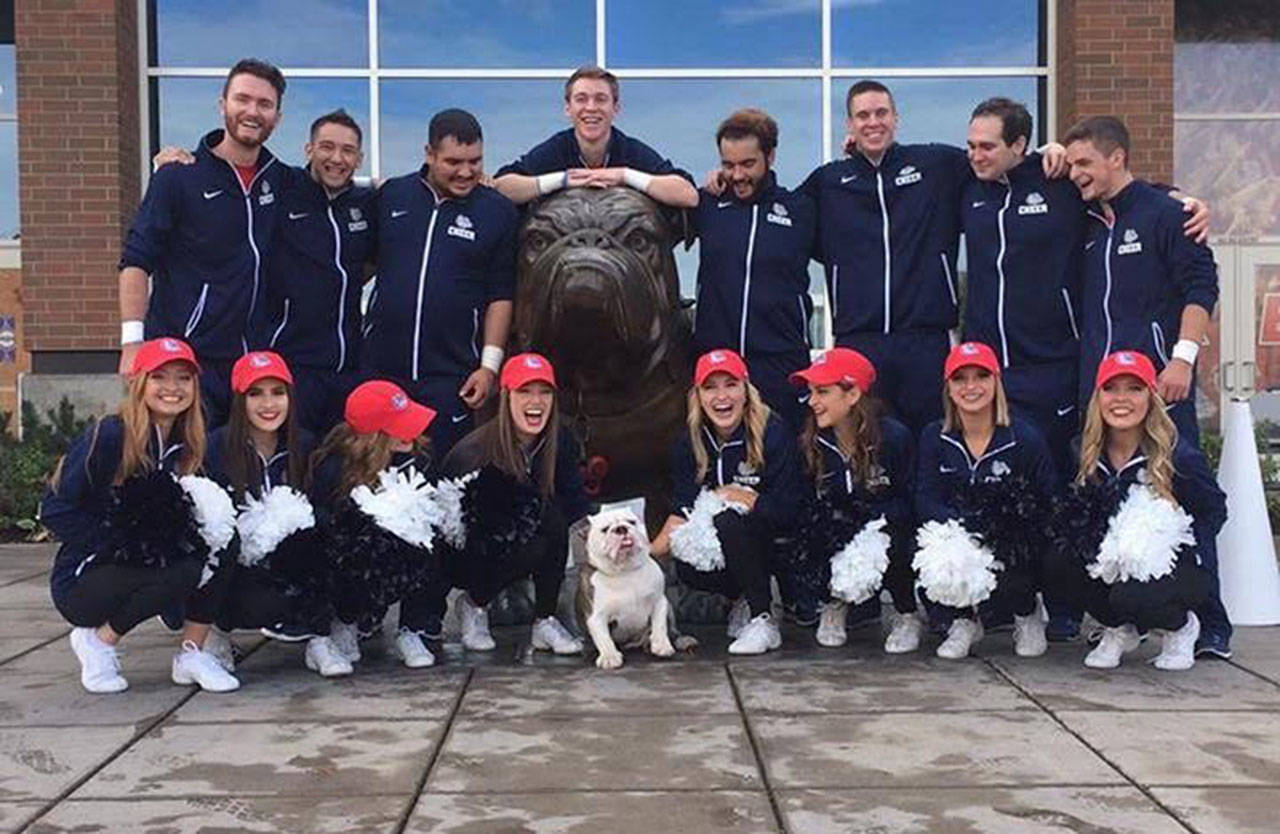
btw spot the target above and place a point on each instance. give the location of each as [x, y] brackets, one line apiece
[549, 635]
[346, 639]
[831, 624]
[413, 650]
[323, 657]
[1112, 646]
[194, 665]
[99, 663]
[758, 636]
[961, 636]
[1178, 653]
[475, 625]
[904, 633]
[739, 616]
[218, 644]
[1029, 638]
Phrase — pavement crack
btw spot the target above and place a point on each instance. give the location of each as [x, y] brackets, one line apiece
[436, 751]
[755, 750]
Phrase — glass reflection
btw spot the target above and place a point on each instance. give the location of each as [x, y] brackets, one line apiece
[8, 81]
[289, 33]
[935, 33]
[740, 33]
[9, 180]
[488, 33]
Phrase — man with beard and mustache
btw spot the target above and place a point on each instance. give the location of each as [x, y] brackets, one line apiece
[194, 257]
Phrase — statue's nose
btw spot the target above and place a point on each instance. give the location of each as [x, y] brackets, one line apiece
[592, 239]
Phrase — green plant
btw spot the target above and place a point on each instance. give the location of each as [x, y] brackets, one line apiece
[25, 465]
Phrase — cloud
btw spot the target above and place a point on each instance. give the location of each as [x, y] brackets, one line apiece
[755, 11]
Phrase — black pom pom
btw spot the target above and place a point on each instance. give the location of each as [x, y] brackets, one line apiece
[372, 568]
[1011, 516]
[1080, 519]
[502, 515]
[827, 524]
[151, 522]
[304, 570]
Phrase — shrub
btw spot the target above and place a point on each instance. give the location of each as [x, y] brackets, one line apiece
[25, 466]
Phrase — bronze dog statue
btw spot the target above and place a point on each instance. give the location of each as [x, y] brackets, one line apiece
[598, 294]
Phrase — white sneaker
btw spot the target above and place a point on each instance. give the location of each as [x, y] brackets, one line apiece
[99, 663]
[1112, 646]
[960, 638]
[904, 634]
[1028, 635]
[550, 635]
[413, 650]
[346, 639]
[758, 636]
[831, 629]
[194, 665]
[1179, 650]
[739, 616]
[475, 625]
[323, 657]
[218, 644]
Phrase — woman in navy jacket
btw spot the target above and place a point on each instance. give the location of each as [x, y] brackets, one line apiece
[974, 445]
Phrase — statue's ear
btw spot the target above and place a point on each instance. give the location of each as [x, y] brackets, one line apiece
[680, 224]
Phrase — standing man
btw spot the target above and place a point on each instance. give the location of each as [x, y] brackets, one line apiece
[441, 308]
[593, 152]
[193, 260]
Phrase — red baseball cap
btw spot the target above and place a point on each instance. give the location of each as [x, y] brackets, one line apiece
[966, 354]
[838, 365]
[524, 368]
[256, 365]
[162, 351]
[719, 361]
[379, 405]
[1124, 362]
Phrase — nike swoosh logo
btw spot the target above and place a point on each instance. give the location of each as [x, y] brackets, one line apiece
[849, 178]
[209, 195]
[979, 203]
[946, 469]
[724, 204]
[1063, 412]
[458, 418]
[298, 216]
[1089, 245]
[395, 214]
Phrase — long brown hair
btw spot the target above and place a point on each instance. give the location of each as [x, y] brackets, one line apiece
[242, 464]
[362, 456]
[501, 447]
[755, 416]
[1159, 437]
[865, 451]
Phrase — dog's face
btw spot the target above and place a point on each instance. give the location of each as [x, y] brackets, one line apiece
[616, 541]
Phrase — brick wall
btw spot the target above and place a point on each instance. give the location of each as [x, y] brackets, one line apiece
[1116, 58]
[78, 162]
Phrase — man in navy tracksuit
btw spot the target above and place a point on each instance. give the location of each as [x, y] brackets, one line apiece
[594, 153]
[753, 281]
[202, 236]
[1147, 287]
[441, 309]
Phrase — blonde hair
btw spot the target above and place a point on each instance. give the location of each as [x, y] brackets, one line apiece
[755, 416]
[362, 455]
[950, 417]
[1159, 437]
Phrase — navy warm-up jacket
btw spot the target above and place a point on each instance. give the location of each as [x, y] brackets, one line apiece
[569, 496]
[560, 152]
[271, 471]
[891, 486]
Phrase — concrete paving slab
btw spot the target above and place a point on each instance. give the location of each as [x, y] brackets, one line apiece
[42, 762]
[733, 812]
[52, 699]
[874, 684]
[139, 661]
[29, 593]
[595, 753]
[1186, 748]
[15, 815]
[189, 815]
[31, 622]
[323, 760]
[11, 647]
[924, 750]
[1224, 810]
[976, 811]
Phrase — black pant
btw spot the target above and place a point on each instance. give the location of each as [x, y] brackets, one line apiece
[746, 543]
[205, 601]
[124, 595]
[1162, 603]
[908, 371]
[899, 578]
[254, 600]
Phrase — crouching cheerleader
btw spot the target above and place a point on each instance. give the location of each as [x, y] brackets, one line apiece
[523, 491]
[736, 487]
[141, 533]
[1136, 536]
[856, 530]
[983, 486]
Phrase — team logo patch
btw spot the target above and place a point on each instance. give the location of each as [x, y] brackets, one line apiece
[399, 402]
[1000, 469]
[463, 227]
[463, 221]
[778, 215]
[356, 214]
[1131, 243]
[969, 349]
[170, 346]
[532, 362]
[1034, 204]
[257, 360]
[1126, 358]
[746, 474]
[907, 176]
[266, 198]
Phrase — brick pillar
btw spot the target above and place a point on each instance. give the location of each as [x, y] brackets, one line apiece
[78, 136]
[1116, 59]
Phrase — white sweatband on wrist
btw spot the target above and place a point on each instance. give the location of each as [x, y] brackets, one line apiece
[1186, 350]
[638, 180]
[548, 183]
[131, 331]
[491, 358]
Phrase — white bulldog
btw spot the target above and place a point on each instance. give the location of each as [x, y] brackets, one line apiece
[621, 590]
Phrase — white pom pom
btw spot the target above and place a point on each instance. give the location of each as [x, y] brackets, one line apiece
[954, 567]
[696, 542]
[399, 505]
[264, 523]
[1143, 538]
[446, 509]
[857, 569]
[214, 511]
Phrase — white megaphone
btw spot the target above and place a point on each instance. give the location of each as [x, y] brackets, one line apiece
[1246, 551]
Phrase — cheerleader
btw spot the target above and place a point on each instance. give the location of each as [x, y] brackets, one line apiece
[854, 454]
[383, 433]
[983, 483]
[108, 575]
[736, 487]
[527, 491]
[1137, 469]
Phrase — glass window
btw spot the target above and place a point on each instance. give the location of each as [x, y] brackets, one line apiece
[744, 33]
[189, 109]
[8, 82]
[1234, 165]
[935, 33]
[486, 33]
[288, 33]
[1226, 78]
[9, 180]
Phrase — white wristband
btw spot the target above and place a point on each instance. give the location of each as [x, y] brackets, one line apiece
[548, 183]
[131, 331]
[1186, 350]
[638, 180]
[491, 358]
